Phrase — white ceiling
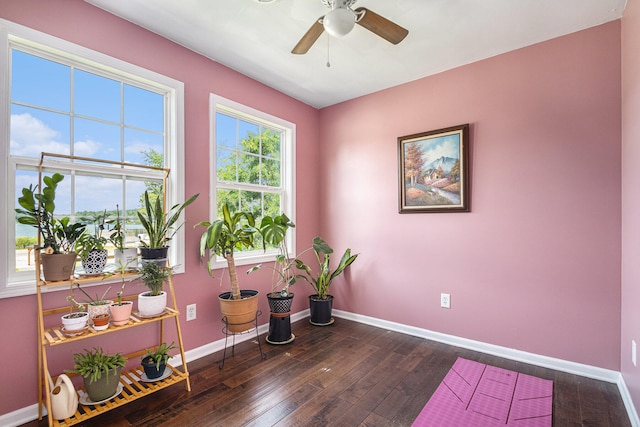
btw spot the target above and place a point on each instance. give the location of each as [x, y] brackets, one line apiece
[256, 38]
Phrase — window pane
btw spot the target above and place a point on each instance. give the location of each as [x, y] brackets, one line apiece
[248, 169]
[34, 131]
[272, 204]
[143, 109]
[40, 82]
[96, 96]
[143, 148]
[271, 173]
[271, 141]
[251, 201]
[230, 197]
[226, 165]
[225, 131]
[250, 137]
[96, 140]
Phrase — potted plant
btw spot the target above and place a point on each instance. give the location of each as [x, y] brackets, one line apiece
[320, 304]
[122, 255]
[58, 236]
[121, 310]
[273, 230]
[100, 372]
[222, 237]
[159, 225]
[153, 302]
[97, 306]
[91, 247]
[154, 361]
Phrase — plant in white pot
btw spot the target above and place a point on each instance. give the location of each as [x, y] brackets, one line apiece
[154, 301]
[159, 225]
[123, 256]
[221, 238]
[321, 303]
[58, 236]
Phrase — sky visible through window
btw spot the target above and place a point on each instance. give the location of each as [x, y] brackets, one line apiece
[61, 109]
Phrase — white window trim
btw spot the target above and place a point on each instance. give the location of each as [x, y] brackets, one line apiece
[10, 33]
[220, 104]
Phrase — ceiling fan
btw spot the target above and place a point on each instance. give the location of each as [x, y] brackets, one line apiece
[342, 18]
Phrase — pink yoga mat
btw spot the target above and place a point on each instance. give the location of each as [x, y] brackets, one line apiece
[474, 394]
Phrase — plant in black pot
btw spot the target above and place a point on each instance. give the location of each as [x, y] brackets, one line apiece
[100, 372]
[273, 230]
[321, 303]
[154, 361]
[58, 236]
[153, 302]
[222, 237]
[159, 225]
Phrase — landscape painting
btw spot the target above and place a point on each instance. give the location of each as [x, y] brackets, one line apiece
[434, 171]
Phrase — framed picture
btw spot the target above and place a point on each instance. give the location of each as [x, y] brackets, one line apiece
[434, 171]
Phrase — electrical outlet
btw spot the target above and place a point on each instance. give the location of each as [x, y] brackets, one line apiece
[445, 300]
[633, 352]
[191, 312]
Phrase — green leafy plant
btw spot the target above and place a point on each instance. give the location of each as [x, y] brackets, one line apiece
[92, 364]
[37, 210]
[223, 236]
[158, 224]
[322, 279]
[88, 242]
[98, 300]
[154, 276]
[273, 230]
[117, 233]
[160, 354]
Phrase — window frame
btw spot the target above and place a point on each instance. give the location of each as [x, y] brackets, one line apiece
[50, 47]
[287, 180]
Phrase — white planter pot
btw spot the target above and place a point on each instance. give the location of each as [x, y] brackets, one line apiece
[128, 258]
[75, 323]
[150, 306]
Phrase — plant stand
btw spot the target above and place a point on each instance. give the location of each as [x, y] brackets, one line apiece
[280, 319]
[228, 333]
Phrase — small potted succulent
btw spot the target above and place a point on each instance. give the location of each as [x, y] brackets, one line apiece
[120, 309]
[58, 235]
[94, 306]
[100, 372]
[154, 361]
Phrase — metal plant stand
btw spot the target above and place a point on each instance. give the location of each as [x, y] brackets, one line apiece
[227, 333]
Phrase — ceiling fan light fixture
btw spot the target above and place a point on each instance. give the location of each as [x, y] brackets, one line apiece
[339, 22]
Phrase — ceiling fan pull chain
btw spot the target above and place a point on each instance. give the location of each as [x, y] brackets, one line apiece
[328, 62]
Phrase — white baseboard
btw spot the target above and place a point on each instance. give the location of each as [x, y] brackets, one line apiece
[30, 413]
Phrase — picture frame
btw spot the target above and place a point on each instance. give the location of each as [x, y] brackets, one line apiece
[434, 171]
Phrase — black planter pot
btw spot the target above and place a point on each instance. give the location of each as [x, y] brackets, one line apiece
[154, 253]
[150, 370]
[320, 310]
[280, 319]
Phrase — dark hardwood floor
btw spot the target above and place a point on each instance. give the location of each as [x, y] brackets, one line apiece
[347, 374]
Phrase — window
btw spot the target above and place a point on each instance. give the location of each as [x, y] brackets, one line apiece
[253, 154]
[71, 101]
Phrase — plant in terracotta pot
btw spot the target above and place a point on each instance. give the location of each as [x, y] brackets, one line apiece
[320, 304]
[57, 236]
[159, 225]
[123, 256]
[153, 302]
[100, 372]
[154, 361]
[222, 237]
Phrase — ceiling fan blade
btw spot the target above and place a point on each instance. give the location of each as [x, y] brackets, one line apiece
[390, 31]
[309, 38]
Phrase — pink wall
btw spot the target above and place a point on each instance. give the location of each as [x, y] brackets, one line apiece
[88, 26]
[535, 266]
[630, 191]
